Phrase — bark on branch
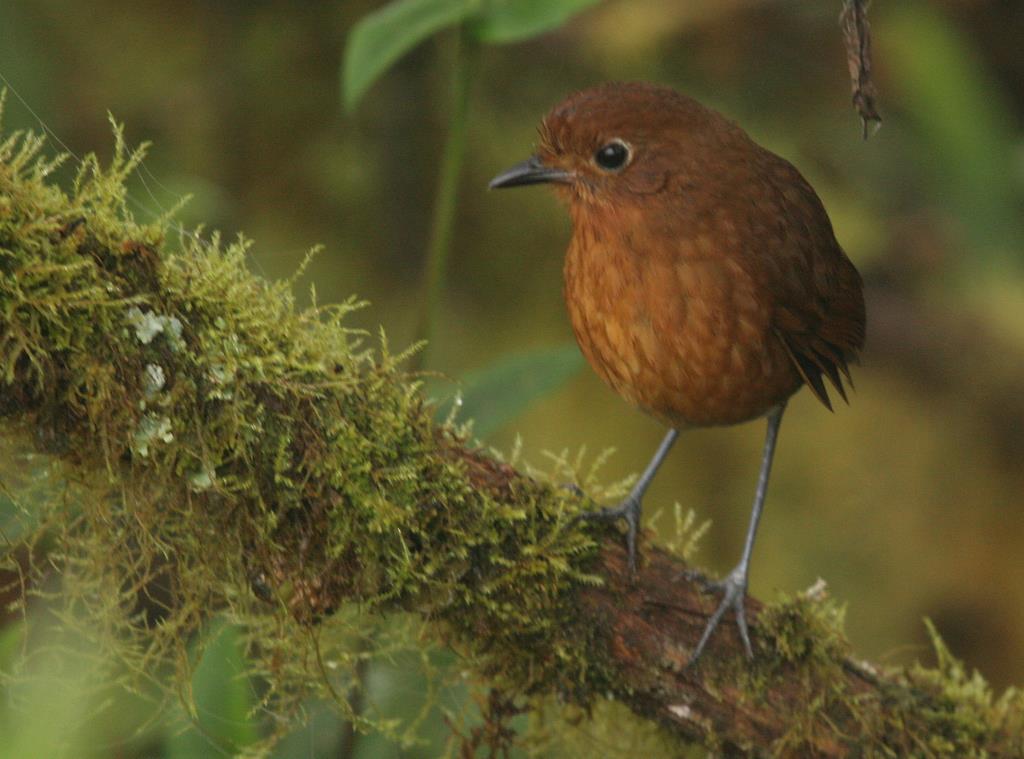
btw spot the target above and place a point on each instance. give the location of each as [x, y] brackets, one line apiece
[804, 695]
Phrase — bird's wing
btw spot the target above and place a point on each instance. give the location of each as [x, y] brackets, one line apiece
[817, 294]
[815, 357]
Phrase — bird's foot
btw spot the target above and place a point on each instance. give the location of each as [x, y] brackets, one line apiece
[734, 592]
[629, 510]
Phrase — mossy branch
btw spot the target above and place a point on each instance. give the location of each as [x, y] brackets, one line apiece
[235, 455]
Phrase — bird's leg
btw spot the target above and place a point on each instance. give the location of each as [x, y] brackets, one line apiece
[630, 507]
[734, 586]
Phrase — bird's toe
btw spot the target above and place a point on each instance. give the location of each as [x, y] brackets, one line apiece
[734, 591]
[629, 510]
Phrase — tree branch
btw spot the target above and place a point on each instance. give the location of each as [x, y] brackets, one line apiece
[239, 456]
[803, 695]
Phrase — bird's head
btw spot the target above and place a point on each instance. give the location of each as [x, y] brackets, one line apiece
[622, 142]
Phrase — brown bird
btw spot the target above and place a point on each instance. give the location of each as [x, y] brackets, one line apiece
[703, 280]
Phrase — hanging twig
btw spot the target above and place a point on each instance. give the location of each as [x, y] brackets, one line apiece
[857, 36]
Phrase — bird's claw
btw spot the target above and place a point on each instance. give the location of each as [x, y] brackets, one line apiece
[734, 591]
[706, 584]
[629, 510]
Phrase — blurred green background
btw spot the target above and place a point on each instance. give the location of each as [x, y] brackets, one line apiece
[908, 502]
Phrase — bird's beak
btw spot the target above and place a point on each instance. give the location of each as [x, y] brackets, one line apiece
[530, 171]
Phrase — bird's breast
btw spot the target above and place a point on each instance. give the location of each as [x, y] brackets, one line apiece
[674, 325]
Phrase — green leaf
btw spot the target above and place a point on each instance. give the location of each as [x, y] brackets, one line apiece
[224, 700]
[381, 38]
[505, 21]
[496, 395]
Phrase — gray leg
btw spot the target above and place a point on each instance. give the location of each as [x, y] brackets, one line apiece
[734, 586]
[630, 508]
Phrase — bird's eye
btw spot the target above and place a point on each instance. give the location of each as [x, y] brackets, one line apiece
[613, 156]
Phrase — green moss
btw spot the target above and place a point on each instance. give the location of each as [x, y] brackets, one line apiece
[940, 712]
[257, 460]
